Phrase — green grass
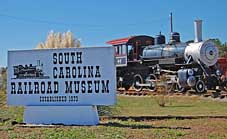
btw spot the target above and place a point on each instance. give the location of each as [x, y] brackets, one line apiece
[200, 128]
[177, 106]
[130, 106]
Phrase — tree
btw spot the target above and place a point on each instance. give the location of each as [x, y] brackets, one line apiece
[59, 40]
[222, 47]
[3, 78]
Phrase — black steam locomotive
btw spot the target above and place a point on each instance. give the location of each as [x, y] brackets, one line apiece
[28, 71]
[141, 60]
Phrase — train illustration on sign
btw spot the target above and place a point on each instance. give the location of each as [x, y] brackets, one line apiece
[141, 60]
[29, 71]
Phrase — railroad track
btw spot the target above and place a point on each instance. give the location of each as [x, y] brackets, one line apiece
[144, 92]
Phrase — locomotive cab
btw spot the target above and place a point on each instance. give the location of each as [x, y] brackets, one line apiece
[130, 49]
[127, 59]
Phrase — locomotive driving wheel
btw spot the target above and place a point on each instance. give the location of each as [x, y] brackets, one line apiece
[119, 82]
[137, 80]
[200, 86]
[151, 79]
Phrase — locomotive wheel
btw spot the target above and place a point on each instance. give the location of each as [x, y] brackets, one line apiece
[200, 86]
[126, 86]
[180, 89]
[119, 82]
[137, 80]
[152, 80]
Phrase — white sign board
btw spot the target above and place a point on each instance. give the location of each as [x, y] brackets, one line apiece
[56, 77]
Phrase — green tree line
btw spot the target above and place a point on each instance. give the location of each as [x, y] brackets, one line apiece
[222, 47]
[3, 78]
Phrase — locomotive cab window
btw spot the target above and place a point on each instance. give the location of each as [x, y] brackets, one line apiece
[120, 50]
[130, 53]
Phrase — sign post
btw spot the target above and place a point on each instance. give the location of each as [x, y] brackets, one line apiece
[62, 86]
[67, 115]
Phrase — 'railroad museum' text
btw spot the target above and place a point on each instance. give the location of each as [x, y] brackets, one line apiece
[69, 72]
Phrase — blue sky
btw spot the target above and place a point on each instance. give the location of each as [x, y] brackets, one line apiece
[25, 23]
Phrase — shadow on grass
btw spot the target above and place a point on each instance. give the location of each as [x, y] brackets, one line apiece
[2, 120]
[178, 106]
[135, 126]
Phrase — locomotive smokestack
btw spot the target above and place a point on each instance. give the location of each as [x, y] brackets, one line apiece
[171, 22]
[198, 30]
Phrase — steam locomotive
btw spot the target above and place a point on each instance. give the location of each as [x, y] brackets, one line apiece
[28, 71]
[142, 60]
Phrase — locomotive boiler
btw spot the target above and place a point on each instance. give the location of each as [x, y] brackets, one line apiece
[141, 60]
